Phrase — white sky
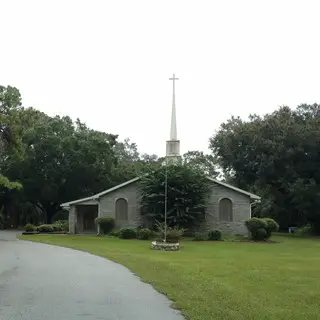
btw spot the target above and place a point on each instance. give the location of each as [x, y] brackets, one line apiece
[108, 62]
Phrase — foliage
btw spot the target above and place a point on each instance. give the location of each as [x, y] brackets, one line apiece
[6, 183]
[188, 189]
[144, 234]
[304, 231]
[272, 226]
[260, 234]
[204, 162]
[61, 225]
[60, 160]
[10, 101]
[261, 228]
[127, 233]
[106, 224]
[114, 233]
[276, 156]
[60, 215]
[56, 160]
[45, 228]
[130, 163]
[29, 227]
[198, 272]
[200, 236]
[214, 235]
[173, 234]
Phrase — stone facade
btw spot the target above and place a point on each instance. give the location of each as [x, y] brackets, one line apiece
[239, 208]
[108, 203]
[241, 211]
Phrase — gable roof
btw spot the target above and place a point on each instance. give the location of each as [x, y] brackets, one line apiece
[119, 186]
[229, 186]
[98, 195]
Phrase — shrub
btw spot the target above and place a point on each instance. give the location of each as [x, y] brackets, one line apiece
[272, 226]
[127, 233]
[261, 228]
[56, 228]
[144, 234]
[255, 224]
[304, 231]
[61, 225]
[174, 235]
[114, 233]
[29, 227]
[200, 236]
[45, 228]
[260, 234]
[214, 235]
[106, 224]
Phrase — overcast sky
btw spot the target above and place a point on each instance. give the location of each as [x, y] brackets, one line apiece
[108, 62]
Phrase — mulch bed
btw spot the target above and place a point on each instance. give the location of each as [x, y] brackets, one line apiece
[36, 232]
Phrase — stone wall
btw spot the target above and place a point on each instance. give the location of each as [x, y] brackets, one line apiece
[131, 194]
[240, 206]
[241, 209]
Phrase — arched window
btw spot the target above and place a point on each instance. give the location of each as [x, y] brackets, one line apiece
[121, 209]
[225, 210]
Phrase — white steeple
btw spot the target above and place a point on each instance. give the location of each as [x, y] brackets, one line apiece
[173, 130]
[173, 145]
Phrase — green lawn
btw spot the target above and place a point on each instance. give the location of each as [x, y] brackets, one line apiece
[221, 280]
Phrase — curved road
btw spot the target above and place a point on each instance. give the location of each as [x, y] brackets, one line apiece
[39, 281]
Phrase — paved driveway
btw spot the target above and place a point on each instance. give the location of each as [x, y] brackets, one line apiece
[39, 281]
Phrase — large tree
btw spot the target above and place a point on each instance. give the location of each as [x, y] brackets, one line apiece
[187, 191]
[130, 163]
[60, 161]
[205, 162]
[277, 156]
[10, 102]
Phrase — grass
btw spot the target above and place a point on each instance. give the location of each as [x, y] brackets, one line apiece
[220, 280]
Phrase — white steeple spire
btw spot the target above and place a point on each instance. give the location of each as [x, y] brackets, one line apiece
[173, 145]
[173, 131]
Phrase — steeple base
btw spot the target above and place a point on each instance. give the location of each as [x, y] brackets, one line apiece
[173, 151]
[173, 148]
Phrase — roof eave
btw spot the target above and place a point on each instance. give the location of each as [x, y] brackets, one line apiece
[100, 194]
[250, 195]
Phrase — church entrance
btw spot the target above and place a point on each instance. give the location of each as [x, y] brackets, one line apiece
[86, 215]
[88, 220]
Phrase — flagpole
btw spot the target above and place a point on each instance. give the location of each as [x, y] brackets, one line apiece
[165, 200]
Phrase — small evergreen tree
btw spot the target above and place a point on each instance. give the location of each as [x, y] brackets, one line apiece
[187, 192]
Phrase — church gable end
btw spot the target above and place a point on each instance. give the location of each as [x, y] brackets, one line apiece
[227, 210]
[122, 204]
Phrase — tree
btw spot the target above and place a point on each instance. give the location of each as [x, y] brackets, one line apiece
[10, 101]
[129, 162]
[205, 162]
[276, 156]
[188, 189]
[61, 160]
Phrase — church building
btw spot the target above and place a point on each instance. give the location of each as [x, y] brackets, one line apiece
[228, 207]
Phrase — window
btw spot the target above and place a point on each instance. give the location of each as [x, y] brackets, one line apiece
[121, 209]
[225, 210]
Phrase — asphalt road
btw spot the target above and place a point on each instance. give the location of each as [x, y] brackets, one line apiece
[39, 281]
